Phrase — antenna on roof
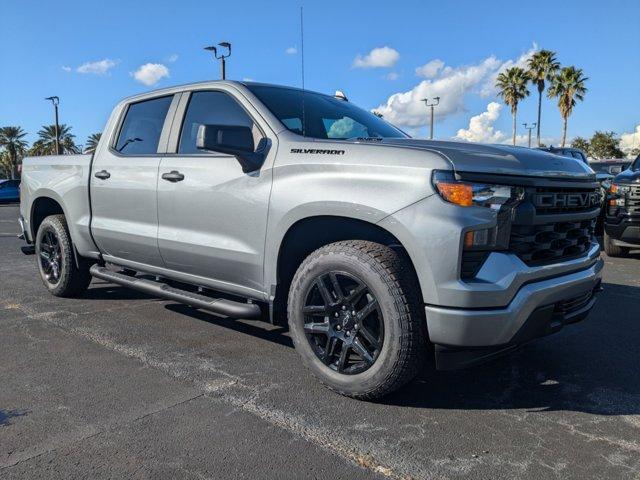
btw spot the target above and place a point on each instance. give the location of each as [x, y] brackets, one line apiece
[304, 123]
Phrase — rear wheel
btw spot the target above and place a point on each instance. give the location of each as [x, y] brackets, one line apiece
[54, 251]
[355, 318]
[613, 250]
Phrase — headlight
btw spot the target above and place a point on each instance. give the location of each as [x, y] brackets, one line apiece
[468, 194]
[619, 189]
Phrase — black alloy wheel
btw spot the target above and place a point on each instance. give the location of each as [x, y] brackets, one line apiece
[50, 254]
[343, 322]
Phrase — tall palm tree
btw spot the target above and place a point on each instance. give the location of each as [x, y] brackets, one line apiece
[512, 87]
[92, 142]
[542, 66]
[12, 140]
[46, 144]
[568, 87]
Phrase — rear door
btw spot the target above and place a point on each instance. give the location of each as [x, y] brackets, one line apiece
[124, 181]
[212, 222]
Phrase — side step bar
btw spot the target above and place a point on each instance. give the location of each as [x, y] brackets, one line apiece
[221, 306]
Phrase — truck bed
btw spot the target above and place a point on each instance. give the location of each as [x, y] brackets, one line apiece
[65, 180]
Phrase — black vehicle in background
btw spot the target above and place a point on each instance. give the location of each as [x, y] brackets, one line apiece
[622, 212]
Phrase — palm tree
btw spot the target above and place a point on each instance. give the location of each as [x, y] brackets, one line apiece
[92, 142]
[512, 87]
[567, 86]
[46, 144]
[11, 139]
[542, 66]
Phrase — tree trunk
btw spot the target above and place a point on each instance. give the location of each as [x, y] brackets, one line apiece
[564, 131]
[514, 126]
[539, 113]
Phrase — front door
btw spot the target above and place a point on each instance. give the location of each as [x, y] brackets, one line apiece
[124, 181]
[212, 216]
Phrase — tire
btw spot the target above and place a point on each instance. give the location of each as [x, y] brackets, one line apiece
[56, 263]
[393, 333]
[613, 250]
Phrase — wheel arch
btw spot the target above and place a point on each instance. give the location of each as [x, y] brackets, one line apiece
[41, 208]
[310, 233]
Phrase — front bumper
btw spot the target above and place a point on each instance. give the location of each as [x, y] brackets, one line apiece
[467, 336]
[623, 232]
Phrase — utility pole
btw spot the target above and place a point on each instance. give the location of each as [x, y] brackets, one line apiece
[431, 105]
[529, 127]
[55, 101]
[222, 57]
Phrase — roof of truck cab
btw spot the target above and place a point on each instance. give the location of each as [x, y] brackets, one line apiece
[207, 83]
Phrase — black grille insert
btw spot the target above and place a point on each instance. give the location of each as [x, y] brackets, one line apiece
[551, 242]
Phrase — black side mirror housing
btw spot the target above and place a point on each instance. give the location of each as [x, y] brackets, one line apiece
[234, 140]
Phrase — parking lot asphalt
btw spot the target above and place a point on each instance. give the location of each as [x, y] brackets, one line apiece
[118, 384]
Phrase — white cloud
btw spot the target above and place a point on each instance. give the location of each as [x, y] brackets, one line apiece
[291, 51]
[430, 69]
[378, 57]
[630, 141]
[481, 130]
[150, 73]
[481, 127]
[100, 67]
[66, 68]
[391, 76]
[172, 58]
[451, 84]
[248, 79]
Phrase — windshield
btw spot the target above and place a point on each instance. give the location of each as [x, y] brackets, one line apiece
[636, 164]
[322, 116]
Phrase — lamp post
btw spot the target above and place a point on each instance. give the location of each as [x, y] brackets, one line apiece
[55, 101]
[431, 105]
[221, 57]
[529, 127]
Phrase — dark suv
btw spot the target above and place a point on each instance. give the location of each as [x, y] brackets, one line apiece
[622, 218]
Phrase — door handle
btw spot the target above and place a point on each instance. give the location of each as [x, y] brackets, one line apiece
[173, 176]
[102, 175]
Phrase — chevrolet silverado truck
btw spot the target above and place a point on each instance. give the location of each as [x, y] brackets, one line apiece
[381, 251]
[622, 212]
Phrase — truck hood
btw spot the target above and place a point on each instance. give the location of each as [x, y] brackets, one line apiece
[628, 176]
[500, 159]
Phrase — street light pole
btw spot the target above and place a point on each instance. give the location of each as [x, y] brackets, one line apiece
[55, 101]
[529, 127]
[222, 57]
[432, 105]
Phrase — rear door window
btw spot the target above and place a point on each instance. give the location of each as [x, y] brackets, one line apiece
[142, 127]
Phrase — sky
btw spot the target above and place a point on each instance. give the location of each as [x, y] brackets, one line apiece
[384, 55]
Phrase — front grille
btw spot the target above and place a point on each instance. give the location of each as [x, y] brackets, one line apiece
[633, 200]
[551, 209]
[554, 224]
[551, 242]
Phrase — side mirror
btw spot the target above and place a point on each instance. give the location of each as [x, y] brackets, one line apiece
[235, 140]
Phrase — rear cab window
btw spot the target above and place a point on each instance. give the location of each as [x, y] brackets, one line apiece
[142, 126]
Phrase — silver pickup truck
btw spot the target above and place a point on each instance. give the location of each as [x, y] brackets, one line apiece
[251, 200]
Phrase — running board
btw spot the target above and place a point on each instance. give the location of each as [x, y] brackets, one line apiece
[221, 306]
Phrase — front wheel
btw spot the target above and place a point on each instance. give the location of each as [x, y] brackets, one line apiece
[54, 251]
[355, 317]
[613, 250]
